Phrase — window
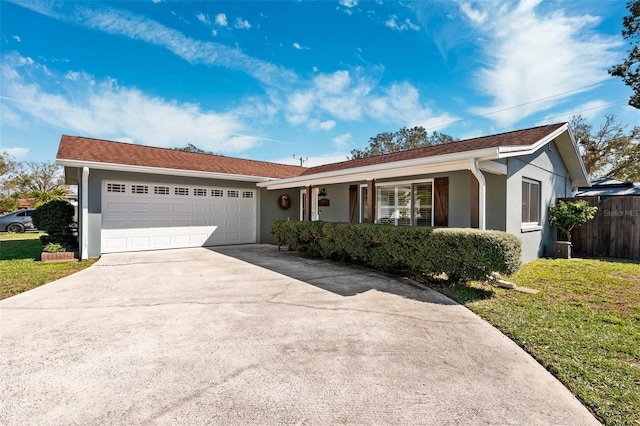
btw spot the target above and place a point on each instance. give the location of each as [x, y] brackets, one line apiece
[116, 187]
[217, 193]
[161, 190]
[233, 193]
[402, 204]
[247, 194]
[178, 190]
[199, 192]
[139, 189]
[530, 201]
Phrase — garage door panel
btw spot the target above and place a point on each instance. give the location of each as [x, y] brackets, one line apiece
[161, 207]
[181, 207]
[175, 217]
[138, 207]
[199, 208]
[161, 223]
[116, 206]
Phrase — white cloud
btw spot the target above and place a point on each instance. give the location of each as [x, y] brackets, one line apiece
[475, 15]
[214, 32]
[345, 96]
[221, 19]
[16, 152]
[530, 56]
[137, 27]
[589, 110]
[16, 38]
[400, 103]
[298, 46]
[315, 124]
[315, 69]
[72, 75]
[203, 18]
[242, 24]
[107, 110]
[342, 140]
[349, 3]
[392, 23]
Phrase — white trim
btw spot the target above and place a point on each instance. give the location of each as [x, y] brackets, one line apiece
[511, 151]
[482, 193]
[160, 171]
[84, 222]
[529, 226]
[493, 167]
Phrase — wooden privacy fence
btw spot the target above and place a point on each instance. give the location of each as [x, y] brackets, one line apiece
[614, 232]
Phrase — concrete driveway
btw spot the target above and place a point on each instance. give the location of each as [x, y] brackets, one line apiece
[248, 335]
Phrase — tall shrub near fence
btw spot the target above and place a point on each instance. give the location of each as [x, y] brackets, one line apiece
[461, 254]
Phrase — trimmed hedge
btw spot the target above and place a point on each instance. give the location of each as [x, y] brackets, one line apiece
[461, 254]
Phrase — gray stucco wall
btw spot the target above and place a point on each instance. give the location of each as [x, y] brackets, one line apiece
[269, 211]
[496, 214]
[547, 167]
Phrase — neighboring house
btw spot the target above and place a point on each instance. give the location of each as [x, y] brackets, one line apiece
[26, 203]
[134, 197]
[608, 187]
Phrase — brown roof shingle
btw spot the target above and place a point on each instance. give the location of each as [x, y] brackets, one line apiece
[515, 138]
[102, 151]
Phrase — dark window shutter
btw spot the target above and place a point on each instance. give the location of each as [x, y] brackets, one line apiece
[353, 203]
[441, 201]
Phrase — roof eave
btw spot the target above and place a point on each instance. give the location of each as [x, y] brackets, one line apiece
[439, 163]
[160, 170]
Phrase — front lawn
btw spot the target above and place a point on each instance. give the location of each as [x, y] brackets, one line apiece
[583, 326]
[21, 269]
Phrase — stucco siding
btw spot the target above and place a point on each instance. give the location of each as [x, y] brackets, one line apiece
[546, 167]
[268, 211]
[496, 214]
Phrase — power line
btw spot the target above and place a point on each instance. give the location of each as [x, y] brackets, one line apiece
[521, 105]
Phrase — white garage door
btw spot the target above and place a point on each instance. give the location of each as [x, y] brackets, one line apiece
[149, 216]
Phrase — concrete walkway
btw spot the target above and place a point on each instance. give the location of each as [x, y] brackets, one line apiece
[247, 335]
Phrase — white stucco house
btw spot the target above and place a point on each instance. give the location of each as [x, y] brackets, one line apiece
[134, 197]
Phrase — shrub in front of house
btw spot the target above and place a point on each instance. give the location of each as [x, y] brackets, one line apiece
[461, 254]
[54, 218]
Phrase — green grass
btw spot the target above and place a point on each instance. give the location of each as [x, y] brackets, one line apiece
[583, 326]
[21, 269]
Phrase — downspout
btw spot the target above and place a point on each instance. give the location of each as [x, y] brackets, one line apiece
[482, 193]
[84, 222]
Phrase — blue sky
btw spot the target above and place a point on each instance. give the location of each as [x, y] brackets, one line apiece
[268, 80]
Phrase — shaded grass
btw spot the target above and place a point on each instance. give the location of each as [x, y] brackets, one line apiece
[21, 269]
[583, 326]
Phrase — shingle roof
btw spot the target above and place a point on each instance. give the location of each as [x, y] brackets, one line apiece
[102, 151]
[516, 138]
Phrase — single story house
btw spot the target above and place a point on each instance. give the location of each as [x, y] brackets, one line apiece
[608, 187]
[134, 197]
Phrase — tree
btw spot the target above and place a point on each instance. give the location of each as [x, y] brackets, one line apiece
[629, 69]
[608, 151]
[192, 148]
[569, 215]
[402, 140]
[42, 181]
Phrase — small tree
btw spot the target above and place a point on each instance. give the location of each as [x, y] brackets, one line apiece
[567, 216]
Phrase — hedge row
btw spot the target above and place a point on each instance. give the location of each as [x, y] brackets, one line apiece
[461, 254]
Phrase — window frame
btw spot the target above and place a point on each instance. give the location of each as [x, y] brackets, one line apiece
[529, 223]
[412, 184]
